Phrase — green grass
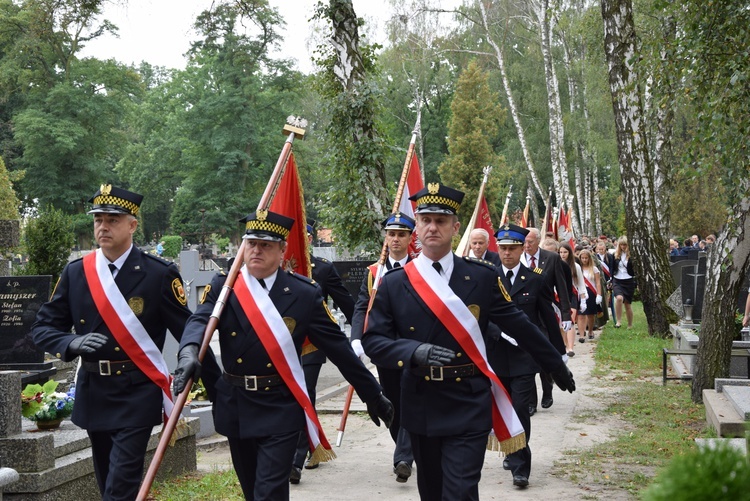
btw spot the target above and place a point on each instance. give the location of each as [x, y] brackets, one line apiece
[655, 424]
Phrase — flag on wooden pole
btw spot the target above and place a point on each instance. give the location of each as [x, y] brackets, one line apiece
[484, 221]
[290, 202]
[414, 183]
[525, 216]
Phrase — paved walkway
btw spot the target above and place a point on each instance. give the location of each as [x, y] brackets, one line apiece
[363, 468]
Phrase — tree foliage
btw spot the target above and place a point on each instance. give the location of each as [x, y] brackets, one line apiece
[476, 114]
[48, 240]
[9, 202]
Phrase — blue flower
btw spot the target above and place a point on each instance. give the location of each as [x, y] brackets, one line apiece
[60, 404]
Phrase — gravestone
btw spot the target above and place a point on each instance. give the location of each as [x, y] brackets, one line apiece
[693, 285]
[20, 299]
[352, 273]
[676, 269]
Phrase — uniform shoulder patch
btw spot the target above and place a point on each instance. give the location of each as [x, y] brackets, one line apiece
[480, 261]
[179, 292]
[538, 271]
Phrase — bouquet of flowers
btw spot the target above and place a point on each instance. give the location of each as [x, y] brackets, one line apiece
[43, 403]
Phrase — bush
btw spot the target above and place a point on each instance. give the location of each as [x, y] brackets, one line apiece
[172, 246]
[48, 240]
[721, 472]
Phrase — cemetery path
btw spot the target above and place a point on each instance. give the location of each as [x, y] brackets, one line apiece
[363, 467]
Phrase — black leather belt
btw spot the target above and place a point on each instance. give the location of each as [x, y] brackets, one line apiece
[109, 367]
[446, 372]
[253, 383]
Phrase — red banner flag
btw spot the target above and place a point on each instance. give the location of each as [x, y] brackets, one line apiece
[290, 202]
[525, 216]
[551, 224]
[485, 221]
[414, 183]
[565, 228]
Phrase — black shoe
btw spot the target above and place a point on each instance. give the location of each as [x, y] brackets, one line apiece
[506, 464]
[520, 481]
[309, 466]
[547, 402]
[295, 475]
[532, 410]
[402, 471]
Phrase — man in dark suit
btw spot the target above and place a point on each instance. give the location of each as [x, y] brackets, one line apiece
[331, 285]
[398, 229]
[118, 401]
[479, 241]
[515, 367]
[430, 318]
[552, 267]
[262, 403]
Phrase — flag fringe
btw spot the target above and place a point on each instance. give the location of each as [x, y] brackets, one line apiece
[508, 446]
[320, 455]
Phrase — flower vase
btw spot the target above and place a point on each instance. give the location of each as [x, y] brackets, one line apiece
[49, 425]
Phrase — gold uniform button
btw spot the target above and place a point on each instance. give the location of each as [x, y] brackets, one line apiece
[239, 360]
[117, 348]
[400, 363]
[82, 321]
[412, 328]
[267, 388]
[459, 354]
[269, 365]
[458, 379]
[119, 373]
[427, 378]
[233, 334]
[58, 355]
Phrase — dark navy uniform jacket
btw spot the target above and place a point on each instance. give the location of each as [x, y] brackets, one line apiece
[400, 321]
[153, 288]
[531, 294]
[239, 413]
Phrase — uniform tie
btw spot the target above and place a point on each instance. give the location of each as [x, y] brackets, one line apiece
[509, 276]
[112, 268]
[532, 262]
[262, 284]
[398, 265]
[437, 266]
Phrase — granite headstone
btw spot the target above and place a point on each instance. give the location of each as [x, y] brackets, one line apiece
[352, 273]
[20, 299]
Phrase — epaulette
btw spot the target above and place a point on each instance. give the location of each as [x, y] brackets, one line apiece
[302, 278]
[324, 260]
[480, 261]
[76, 260]
[538, 271]
[393, 269]
[156, 258]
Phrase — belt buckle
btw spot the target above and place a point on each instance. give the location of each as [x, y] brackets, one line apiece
[104, 368]
[436, 370]
[254, 386]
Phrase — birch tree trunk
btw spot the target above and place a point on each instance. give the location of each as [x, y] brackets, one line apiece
[534, 178]
[648, 245]
[728, 264]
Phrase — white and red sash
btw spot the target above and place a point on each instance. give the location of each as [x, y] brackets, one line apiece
[589, 285]
[276, 339]
[463, 326]
[605, 269]
[125, 326]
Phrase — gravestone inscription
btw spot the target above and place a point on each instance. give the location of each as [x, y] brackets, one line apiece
[20, 299]
[352, 273]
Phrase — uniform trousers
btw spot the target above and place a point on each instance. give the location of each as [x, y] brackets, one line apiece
[262, 465]
[521, 389]
[449, 468]
[118, 461]
[390, 380]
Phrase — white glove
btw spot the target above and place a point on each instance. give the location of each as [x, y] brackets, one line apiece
[509, 339]
[598, 299]
[567, 325]
[358, 350]
[583, 305]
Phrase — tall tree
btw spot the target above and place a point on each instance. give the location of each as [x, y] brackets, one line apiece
[475, 115]
[355, 148]
[646, 235]
[9, 203]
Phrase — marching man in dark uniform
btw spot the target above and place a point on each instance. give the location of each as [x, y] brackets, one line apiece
[398, 229]
[430, 318]
[329, 281]
[120, 301]
[261, 403]
[531, 294]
